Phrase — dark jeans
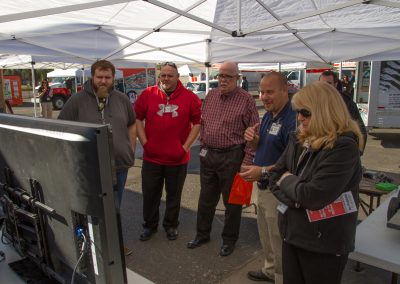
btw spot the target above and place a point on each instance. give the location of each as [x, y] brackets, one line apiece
[305, 267]
[217, 171]
[122, 175]
[153, 178]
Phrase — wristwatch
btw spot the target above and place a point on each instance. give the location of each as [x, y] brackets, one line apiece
[264, 172]
[264, 180]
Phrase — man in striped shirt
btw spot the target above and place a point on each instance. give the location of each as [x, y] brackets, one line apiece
[227, 111]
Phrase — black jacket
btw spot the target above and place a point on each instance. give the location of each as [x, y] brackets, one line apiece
[355, 115]
[318, 181]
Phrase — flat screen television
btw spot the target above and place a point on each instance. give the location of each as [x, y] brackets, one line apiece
[56, 191]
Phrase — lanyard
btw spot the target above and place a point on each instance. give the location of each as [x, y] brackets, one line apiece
[101, 103]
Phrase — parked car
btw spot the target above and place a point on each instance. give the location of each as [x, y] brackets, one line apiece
[199, 87]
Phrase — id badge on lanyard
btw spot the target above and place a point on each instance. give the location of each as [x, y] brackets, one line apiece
[275, 127]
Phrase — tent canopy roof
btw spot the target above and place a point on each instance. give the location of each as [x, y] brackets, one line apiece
[73, 72]
[202, 31]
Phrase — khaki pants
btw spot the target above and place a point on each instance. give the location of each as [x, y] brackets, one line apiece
[47, 110]
[271, 242]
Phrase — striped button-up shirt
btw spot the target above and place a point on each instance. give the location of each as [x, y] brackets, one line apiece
[225, 118]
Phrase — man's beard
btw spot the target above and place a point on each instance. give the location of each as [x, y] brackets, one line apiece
[102, 92]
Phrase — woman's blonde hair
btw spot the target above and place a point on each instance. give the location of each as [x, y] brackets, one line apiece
[329, 116]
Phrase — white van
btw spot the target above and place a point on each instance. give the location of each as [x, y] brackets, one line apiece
[199, 87]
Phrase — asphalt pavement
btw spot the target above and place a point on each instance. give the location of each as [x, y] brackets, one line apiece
[163, 261]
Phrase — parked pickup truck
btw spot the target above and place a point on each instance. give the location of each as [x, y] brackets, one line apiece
[60, 94]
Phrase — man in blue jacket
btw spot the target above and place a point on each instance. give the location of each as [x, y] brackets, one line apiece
[269, 140]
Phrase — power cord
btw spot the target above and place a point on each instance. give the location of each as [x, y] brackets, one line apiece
[80, 234]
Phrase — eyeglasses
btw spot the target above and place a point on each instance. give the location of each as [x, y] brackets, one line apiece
[305, 113]
[226, 76]
[171, 64]
[166, 76]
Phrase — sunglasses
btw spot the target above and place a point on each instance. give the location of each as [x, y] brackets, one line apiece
[171, 64]
[305, 113]
[225, 76]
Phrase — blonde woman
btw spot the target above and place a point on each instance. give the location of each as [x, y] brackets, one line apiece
[320, 165]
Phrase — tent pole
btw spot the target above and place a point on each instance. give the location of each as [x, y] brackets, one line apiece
[2, 99]
[207, 65]
[279, 67]
[147, 77]
[239, 16]
[76, 84]
[340, 70]
[207, 79]
[33, 87]
[83, 77]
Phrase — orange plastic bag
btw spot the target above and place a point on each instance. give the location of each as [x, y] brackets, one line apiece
[240, 191]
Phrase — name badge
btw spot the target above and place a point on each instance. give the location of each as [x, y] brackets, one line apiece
[168, 109]
[203, 152]
[275, 127]
[282, 208]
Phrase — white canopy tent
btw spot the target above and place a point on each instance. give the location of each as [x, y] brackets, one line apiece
[73, 72]
[21, 61]
[63, 63]
[285, 66]
[203, 31]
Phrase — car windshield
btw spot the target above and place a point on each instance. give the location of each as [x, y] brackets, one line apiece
[201, 86]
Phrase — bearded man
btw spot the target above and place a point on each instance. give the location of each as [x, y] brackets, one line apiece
[99, 103]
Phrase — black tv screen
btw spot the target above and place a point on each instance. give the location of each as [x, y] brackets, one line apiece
[56, 189]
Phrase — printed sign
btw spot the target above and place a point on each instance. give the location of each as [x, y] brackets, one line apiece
[343, 205]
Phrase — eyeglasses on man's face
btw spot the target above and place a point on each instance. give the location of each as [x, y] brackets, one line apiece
[305, 113]
[226, 76]
[169, 76]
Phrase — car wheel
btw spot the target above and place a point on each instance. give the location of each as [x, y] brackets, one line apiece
[58, 102]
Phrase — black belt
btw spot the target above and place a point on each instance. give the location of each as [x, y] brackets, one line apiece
[224, 150]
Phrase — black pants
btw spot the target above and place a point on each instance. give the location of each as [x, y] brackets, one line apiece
[305, 267]
[153, 178]
[217, 171]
